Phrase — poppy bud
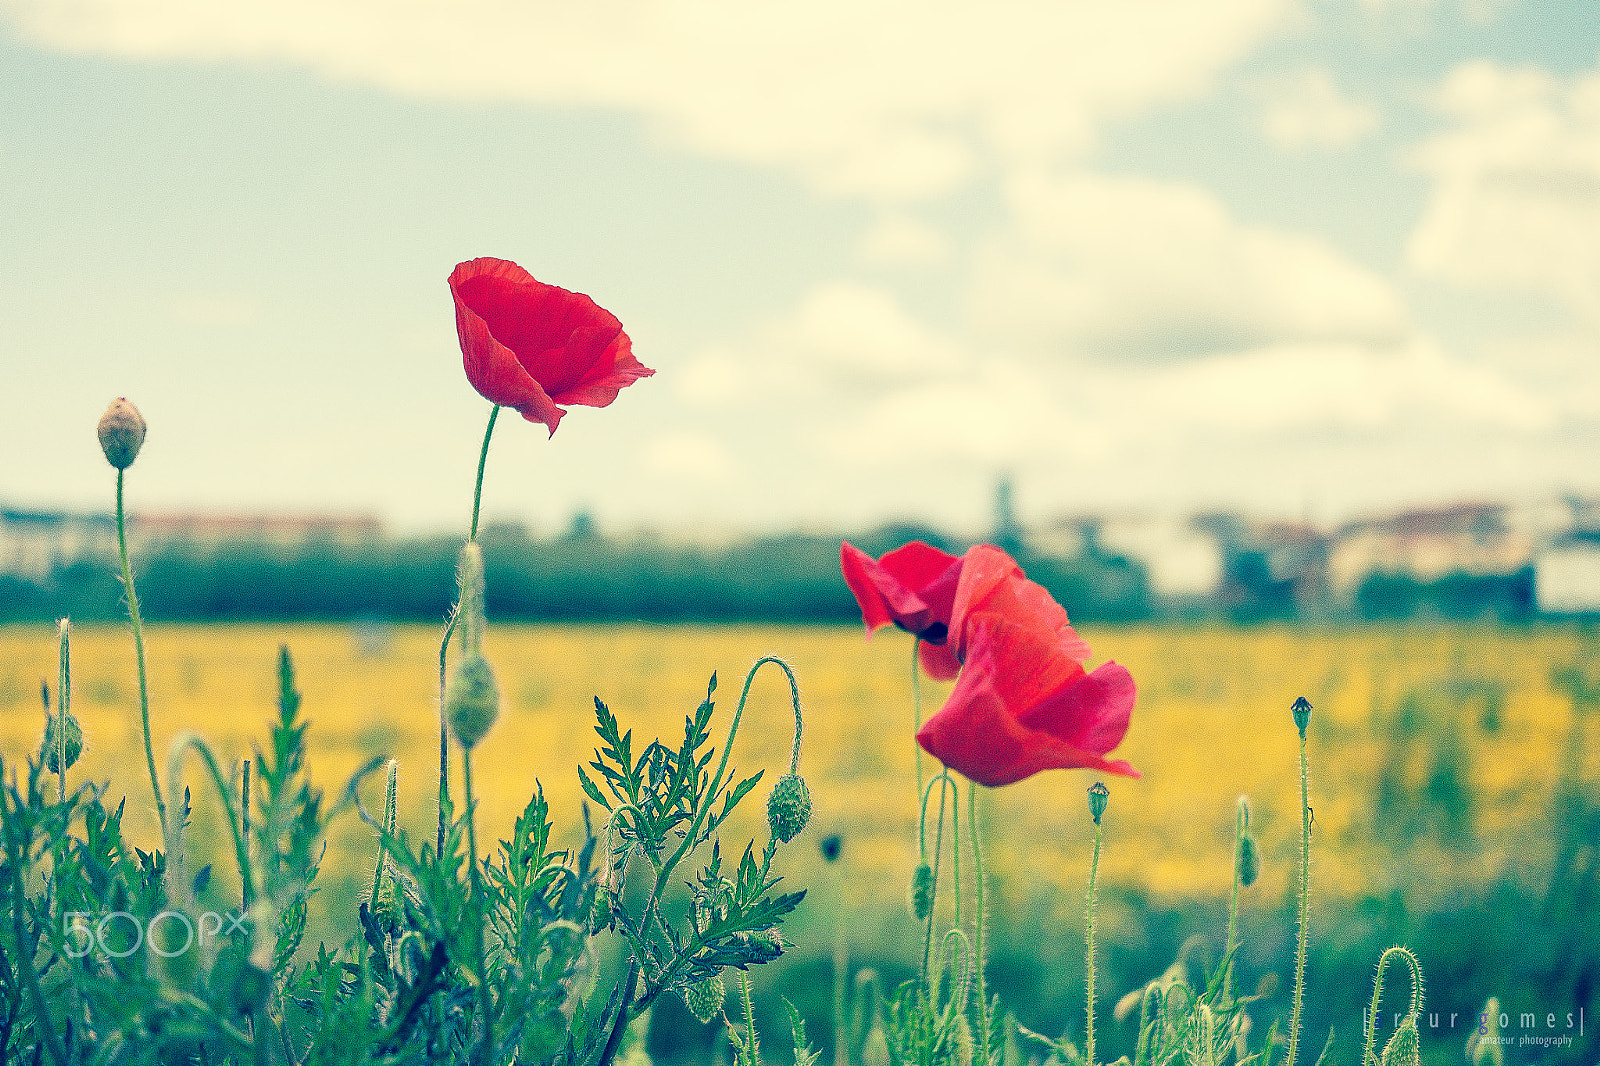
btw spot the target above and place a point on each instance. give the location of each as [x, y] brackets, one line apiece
[1098, 795]
[121, 432]
[249, 988]
[50, 749]
[788, 807]
[472, 701]
[1403, 1049]
[922, 892]
[1249, 860]
[600, 913]
[388, 909]
[704, 998]
[1302, 714]
[830, 847]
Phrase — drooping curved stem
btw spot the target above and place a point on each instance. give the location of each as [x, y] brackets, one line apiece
[944, 783]
[450, 628]
[138, 653]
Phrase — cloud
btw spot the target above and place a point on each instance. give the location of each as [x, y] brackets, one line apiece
[900, 240]
[886, 99]
[1309, 111]
[1134, 268]
[844, 340]
[1515, 203]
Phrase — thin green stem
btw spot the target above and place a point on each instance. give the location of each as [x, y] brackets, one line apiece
[1088, 949]
[485, 1005]
[955, 855]
[752, 1057]
[841, 962]
[244, 812]
[138, 652]
[916, 726]
[63, 705]
[1305, 906]
[945, 784]
[977, 866]
[450, 628]
[1233, 907]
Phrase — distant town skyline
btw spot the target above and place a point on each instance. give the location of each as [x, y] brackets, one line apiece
[1309, 259]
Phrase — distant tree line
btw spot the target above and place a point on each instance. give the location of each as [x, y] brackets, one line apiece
[584, 576]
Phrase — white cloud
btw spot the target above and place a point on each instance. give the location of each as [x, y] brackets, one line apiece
[1152, 270]
[889, 99]
[844, 338]
[900, 240]
[1516, 197]
[1309, 111]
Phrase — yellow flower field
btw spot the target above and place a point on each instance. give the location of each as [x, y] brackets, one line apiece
[1467, 716]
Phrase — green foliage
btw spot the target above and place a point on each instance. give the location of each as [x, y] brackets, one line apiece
[76, 987]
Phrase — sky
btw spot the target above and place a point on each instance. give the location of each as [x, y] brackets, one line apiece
[1303, 258]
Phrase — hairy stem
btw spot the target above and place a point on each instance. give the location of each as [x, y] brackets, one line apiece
[450, 628]
[977, 867]
[485, 1006]
[1088, 949]
[1305, 906]
[138, 653]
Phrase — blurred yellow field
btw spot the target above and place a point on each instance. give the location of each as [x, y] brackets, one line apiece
[1458, 730]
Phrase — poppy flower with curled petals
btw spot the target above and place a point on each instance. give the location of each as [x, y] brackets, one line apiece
[1021, 707]
[533, 346]
[991, 581]
[913, 587]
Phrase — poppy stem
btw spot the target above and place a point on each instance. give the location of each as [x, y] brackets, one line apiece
[944, 783]
[449, 629]
[63, 705]
[1088, 949]
[977, 862]
[485, 1005]
[916, 727]
[1233, 907]
[138, 654]
[1305, 906]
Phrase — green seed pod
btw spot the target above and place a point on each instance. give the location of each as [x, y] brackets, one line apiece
[922, 892]
[121, 432]
[1403, 1049]
[1098, 795]
[472, 701]
[704, 998]
[1249, 860]
[1302, 714]
[74, 743]
[600, 913]
[788, 807]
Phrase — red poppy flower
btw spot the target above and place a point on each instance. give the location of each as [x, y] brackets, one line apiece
[991, 581]
[532, 346]
[1021, 707]
[913, 587]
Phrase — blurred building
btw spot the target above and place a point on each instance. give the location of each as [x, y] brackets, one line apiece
[1427, 545]
[35, 545]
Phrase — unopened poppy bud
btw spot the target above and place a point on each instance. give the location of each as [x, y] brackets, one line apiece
[1098, 795]
[1302, 714]
[922, 892]
[830, 847]
[788, 807]
[387, 908]
[472, 701]
[121, 432]
[704, 998]
[1403, 1049]
[51, 749]
[600, 913]
[1249, 860]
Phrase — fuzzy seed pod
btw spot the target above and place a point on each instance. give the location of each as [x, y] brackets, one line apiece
[1403, 1049]
[1301, 710]
[1098, 795]
[1249, 860]
[788, 807]
[121, 432]
[388, 910]
[704, 998]
[922, 892]
[74, 743]
[472, 701]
